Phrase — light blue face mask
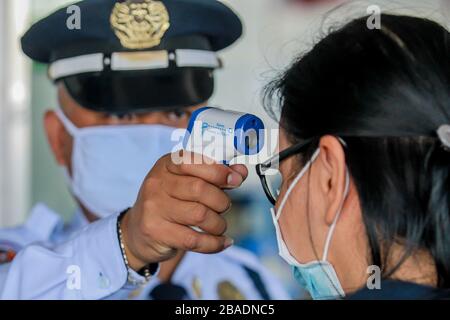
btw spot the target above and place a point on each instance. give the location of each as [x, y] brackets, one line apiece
[109, 163]
[317, 277]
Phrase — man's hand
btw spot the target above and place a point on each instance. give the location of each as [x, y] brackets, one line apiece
[173, 198]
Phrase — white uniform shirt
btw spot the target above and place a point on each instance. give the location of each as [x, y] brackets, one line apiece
[84, 261]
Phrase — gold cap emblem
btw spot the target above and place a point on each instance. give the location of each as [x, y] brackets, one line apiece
[140, 24]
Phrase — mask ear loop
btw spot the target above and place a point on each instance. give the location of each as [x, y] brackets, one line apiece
[333, 226]
[70, 127]
[294, 183]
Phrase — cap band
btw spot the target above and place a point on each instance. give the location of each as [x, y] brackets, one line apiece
[81, 64]
[132, 61]
[127, 61]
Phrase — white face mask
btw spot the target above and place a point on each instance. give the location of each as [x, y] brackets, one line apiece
[317, 277]
[109, 163]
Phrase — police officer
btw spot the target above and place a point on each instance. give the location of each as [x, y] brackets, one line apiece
[131, 74]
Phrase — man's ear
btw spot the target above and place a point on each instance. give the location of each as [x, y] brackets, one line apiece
[333, 177]
[56, 136]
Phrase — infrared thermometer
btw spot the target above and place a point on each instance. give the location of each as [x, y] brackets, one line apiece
[223, 135]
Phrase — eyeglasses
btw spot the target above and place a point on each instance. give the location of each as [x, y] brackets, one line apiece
[269, 172]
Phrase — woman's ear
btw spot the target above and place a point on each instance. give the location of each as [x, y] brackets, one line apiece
[333, 175]
[56, 137]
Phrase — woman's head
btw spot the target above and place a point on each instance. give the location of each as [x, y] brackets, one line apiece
[385, 93]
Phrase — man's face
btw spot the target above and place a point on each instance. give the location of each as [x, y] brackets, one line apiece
[83, 117]
[61, 142]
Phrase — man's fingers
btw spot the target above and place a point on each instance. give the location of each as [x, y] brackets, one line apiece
[197, 190]
[241, 169]
[198, 215]
[186, 239]
[217, 174]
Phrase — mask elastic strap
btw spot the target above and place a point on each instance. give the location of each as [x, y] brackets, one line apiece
[294, 183]
[333, 226]
[70, 127]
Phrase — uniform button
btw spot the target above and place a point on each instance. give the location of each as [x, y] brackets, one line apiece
[103, 281]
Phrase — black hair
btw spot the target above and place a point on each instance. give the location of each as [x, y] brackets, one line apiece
[385, 92]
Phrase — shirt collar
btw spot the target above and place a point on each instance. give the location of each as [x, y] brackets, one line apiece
[78, 222]
[44, 222]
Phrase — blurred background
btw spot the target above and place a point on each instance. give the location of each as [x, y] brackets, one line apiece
[276, 31]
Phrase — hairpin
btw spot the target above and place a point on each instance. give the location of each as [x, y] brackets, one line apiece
[444, 136]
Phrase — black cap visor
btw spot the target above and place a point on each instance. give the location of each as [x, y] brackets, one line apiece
[141, 91]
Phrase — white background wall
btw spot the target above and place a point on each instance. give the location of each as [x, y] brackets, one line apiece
[14, 115]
